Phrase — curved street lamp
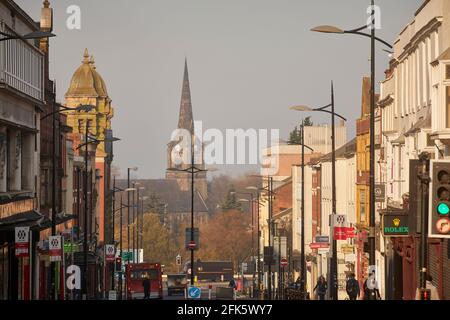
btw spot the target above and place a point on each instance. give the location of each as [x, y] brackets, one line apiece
[334, 270]
[373, 39]
[88, 140]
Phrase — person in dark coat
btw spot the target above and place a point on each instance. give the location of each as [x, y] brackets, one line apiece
[352, 287]
[321, 288]
[146, 284]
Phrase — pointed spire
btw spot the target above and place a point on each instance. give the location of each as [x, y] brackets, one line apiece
[46, 4]
[186, 120]
[92, 62]
[86, 56]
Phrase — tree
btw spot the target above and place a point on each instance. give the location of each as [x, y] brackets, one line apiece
[219, 187]
[155, 205]
[295, 136]
[157, 242]
[230, 202]
[227, 236]
[308, 122]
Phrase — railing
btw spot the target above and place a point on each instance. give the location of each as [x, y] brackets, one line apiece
[21, 65]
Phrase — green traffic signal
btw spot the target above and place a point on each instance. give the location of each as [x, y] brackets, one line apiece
[443, 208]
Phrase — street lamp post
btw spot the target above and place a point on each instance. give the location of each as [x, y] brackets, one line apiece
[55, 114]
[271, 233]
[270, 224]
[134, 221]
[373, 39]
[258, 204]
[192, 170]
[128, 210]
[120, 209]
[252, 202]
[140, 242]
[86, 177]
[333, 269]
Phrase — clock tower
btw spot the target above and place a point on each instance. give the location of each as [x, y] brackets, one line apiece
[175, 151]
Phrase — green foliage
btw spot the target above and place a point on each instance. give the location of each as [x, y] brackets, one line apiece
[157, 242]
[295, 136]
[231, 202]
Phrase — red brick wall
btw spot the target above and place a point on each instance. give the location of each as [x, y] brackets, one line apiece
[283, 198]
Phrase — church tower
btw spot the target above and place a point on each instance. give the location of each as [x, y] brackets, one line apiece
[186, 122]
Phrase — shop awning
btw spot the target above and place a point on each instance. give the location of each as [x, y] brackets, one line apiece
[47, 223]
[33, 219]
[25, 219]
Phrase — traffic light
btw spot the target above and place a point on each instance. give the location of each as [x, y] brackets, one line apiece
[425, 294]
[118, 264]
[439, 213]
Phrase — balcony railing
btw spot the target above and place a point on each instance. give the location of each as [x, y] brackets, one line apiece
[21, 66]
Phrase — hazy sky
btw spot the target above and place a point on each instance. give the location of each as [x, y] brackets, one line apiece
[249, 60]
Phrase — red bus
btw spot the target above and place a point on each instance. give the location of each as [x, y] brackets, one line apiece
[135, 275]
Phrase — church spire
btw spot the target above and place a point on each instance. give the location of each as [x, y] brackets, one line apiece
[186, 120]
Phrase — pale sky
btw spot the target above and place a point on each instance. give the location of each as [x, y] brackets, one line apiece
[249, 60]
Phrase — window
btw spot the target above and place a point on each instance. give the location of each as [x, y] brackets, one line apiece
[430, 142]
[89, 126]
[152, 274]
[447, 72]
[362, 207]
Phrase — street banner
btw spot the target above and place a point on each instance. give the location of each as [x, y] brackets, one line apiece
[22, 242]
[110, 253]
[322, 239]
[55, 248]
[319, 245]
[340, 233]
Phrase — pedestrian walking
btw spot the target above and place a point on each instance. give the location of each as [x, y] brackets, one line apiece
[321, 288]
[232, 284]
[371, 291]
[146, 284]
[352, 287]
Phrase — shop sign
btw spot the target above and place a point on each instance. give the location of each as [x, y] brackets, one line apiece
[55, 248]
[395, 225]
[22, 242]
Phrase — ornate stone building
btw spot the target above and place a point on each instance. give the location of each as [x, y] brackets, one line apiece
[87, 87]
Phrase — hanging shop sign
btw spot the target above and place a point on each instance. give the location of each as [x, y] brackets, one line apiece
[22, 242]
[55, 248]
[110, 253]
[395, 225]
